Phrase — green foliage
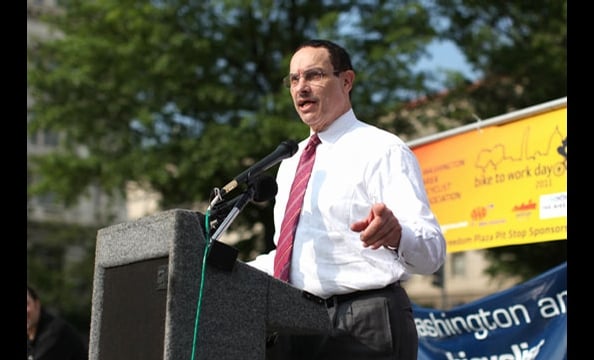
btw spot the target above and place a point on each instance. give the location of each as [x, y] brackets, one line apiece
[525, 261]
[60, 265]
[520, 48]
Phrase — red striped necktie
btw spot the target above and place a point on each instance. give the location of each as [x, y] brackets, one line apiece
[282, 260]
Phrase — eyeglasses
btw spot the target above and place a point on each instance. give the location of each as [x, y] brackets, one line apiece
[311, 76]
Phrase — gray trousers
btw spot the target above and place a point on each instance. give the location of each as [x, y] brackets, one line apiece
[377, 324]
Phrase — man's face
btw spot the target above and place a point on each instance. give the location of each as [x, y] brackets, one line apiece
[33, 309]
[319, 103]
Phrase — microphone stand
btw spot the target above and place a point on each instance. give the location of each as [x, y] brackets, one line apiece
[222, 255]
[248, 195]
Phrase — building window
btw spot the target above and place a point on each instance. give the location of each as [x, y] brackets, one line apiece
[50, 138]
[458, 264]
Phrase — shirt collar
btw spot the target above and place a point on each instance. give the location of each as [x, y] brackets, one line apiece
[339, 127]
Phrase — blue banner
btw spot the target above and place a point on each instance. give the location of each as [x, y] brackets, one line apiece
[525, 322]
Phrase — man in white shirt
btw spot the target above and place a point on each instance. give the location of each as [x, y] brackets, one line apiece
[365, 224]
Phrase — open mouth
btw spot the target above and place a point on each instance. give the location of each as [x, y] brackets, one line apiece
[305, 103]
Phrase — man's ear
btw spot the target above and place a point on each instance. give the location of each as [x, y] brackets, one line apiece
[349, 78]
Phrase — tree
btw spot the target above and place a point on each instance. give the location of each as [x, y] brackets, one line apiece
[60, 264]
[525, 261]
[520, 48]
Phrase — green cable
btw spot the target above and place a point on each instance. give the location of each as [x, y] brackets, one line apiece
[198, 307]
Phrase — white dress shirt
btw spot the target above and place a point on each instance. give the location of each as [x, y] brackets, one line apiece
[356, 166]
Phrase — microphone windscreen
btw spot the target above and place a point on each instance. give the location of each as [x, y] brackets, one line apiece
[291, 145]
[265, 188]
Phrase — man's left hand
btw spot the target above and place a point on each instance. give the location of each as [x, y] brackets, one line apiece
[380, 228]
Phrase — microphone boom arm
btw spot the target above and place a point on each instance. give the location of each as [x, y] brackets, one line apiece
[239, 205]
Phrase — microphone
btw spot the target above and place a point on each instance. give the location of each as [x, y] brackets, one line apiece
[221, 255]
[285, 150]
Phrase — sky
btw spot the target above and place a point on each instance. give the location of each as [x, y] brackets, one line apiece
[446, 55]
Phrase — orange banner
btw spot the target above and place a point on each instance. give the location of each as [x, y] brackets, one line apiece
[500, 185]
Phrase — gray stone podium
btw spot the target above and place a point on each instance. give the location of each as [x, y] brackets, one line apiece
[146, 304]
